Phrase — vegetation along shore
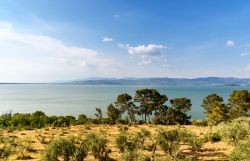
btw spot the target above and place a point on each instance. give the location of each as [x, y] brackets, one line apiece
[146, 127]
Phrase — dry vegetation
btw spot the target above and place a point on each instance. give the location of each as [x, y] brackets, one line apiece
[34, 141]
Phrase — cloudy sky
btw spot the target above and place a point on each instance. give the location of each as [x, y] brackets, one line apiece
[45, 40]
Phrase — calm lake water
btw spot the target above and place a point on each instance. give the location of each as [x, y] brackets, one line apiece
[61, 99]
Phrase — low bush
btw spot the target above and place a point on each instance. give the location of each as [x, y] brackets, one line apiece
[168, 141]
[241, 152]
[82, 119]
[191, 139]
[5, 151]
[121, 142]
[98, 147]
[215, 137]
[233, 131]
[60, 147]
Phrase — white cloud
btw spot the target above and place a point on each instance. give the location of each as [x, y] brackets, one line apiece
[147, 53]
[107, 39]
[230, 43]
[245, 54]
[40, 57]
[151, 49]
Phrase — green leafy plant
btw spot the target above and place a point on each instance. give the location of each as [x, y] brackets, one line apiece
[241, 152]
[168, 141]
[98, 147]
[60, 147]
[233, 132]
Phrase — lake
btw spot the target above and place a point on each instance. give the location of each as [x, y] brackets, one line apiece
[68, 99]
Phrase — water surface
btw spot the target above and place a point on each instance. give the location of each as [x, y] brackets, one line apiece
[67, 99]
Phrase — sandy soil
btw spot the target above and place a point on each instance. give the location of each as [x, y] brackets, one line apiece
[210, 151]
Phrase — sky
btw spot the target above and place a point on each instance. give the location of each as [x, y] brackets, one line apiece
[47, 41]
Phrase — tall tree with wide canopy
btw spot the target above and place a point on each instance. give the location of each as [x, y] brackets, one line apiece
[239, 103]
[177, 113]
[113, 113]
[149, 100]
[124, 102]
[217, 113]
[208, 101]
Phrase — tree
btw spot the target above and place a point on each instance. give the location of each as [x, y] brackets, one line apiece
[208, 101]
[177, 113]
[98, 114]
[239, 103]
[217, 113]
[124, 102]
[149, 100]
[113, 113]
[82, 119]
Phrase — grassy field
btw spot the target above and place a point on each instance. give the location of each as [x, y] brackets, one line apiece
[38, 139]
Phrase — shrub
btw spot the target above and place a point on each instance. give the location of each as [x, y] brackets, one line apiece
[241, 152]
[5, 151]
[82, 119]
[23, 148]
[60, 147]
[168, 141]
[191, 139]
[195, 143]
[121, 142]
[98, 146]
[81, 150]
[233, 131]
[215, 137]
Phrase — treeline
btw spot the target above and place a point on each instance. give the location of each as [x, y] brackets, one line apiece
[217, 110]
[147, 106]
[149, 103]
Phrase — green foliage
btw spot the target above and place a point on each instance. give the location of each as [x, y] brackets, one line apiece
[121, 142]
[213, 137]
[98, 147]
[130, 144]
[113, 113]
[209, 100]
[5, 151]
[82, 119]
[39, 119]
[150, 100]
[239, 103]
[72, 148]
[191, 139]
[217, 113]
[62, 121]
[124, 103]
[168, 141]
[98, 115]
[5, 120]
[60, 147]
[22, 149]
[177, 113]
[233, 131]
[241, 152]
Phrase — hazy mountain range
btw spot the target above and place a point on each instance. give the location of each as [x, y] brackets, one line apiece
[166, 81]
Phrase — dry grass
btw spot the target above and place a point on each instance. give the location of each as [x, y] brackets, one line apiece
[210, 151]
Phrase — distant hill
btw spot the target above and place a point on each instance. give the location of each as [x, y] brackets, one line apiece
[166, 81]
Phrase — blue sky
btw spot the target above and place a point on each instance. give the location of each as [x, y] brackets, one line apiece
[46, 40]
